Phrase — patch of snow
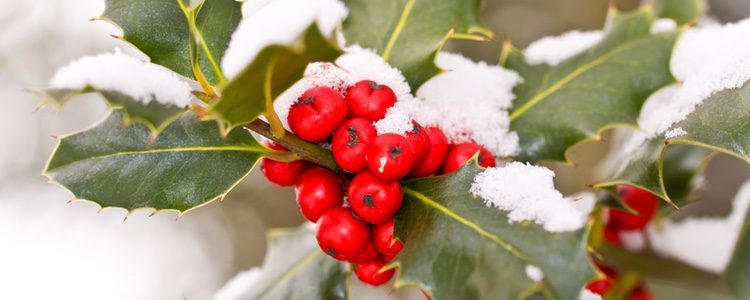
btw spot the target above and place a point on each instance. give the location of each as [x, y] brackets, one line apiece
[555, 49]
[706, 60]
[534, 273]
[706, 243]
[584, 202]
[663, 25]
[527, 193]
[674, 132]
[589, 295]
[239, 285]
[633, 240]
[268, 23]
[125, 74]
[469, 103]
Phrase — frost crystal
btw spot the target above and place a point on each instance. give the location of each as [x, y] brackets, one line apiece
[274, 23]
[470, 103]
[140, 80]
[706, 60]
[663, 25]
[527, 193]
[555, 49]
[675, 132]
[706, 243]
[534, 273]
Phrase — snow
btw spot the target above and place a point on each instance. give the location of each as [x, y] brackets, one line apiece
[633, 240]
[584, 202]
[706, 60]
[589, 295]
[238, 285]
[125, 74]
[469, 103]
[675, 132]
[663, 25]
[706, 243]
[534, 273]
[527, 193]
[555, 49]
[268, 23]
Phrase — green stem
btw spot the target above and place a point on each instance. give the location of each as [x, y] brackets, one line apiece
[306, 150]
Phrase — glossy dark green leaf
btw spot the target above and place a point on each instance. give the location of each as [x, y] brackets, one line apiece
[155, 115]
[409, 33]
[557, 107]
[168, 31]
[273, 70]
[455, 247]
[682, 11]
[721, 123]
[187, 165]
[295, 269]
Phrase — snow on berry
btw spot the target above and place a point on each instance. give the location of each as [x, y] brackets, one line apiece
[268, 23]
[555, 49]
[527, 193]
[118, 72]
[589, 295]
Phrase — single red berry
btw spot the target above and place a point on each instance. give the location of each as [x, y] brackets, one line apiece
[369, 100]
[341, 235]
[375, 201]
[278, 172]
[641, 201]
[317, 113]
[369, 272]
[390, 157]
[461, 153]
[599, 286]
[419, 141]
[371, 253]
[350, 143]
[609, 272]
[318, 189]
[435, 158]
[640, 293]
[387, 257]
[612, 234]
[382, 237]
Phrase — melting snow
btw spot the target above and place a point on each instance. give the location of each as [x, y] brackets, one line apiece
[555, 49]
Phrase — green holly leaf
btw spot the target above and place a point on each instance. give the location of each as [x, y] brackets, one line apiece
[557, 107]
[186, 166]
[681, 11]
[409, 33]
[455, 247]
[155, 115]
[295, 268]
[720, 123]
[176, 35]
[275, 69]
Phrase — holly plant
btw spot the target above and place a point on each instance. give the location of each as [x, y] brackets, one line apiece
[352, 103]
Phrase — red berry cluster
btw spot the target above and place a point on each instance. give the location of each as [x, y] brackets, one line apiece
[645, 204]
[362, 232]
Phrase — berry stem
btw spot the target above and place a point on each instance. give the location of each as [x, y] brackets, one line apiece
[306, 150]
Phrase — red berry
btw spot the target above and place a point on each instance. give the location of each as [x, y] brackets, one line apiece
[317, 113]
[600, 286]
[387, 257]
[318, 189]
[350, 143]
[434, 160]
[461, 153]
[370, 254]
[419, 141]
[369, 272]
[609, 272]
[390, 157]
[369, 100]
[375, 201]
[640, 293]
[341, 235]
[273, 145]
[641, 201]
[278, 172]
[382, 237]
[612, 234]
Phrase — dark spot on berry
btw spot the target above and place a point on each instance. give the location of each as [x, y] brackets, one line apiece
[368, 200]
[353, 138]
[415, 129]
[331, 252]
[375, 85]
[394, 152]
[307, 100]
[480, 159]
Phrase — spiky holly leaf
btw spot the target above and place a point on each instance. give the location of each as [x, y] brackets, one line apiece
[455, 247]
[409, 33]
[295, 268]
[176, 35]
[681, 11]
[187, 165]
[155, 115]
[557, 107]
[275, 69]
[720, 123]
